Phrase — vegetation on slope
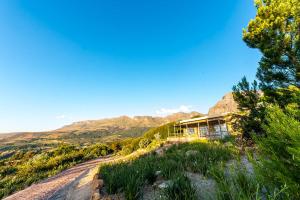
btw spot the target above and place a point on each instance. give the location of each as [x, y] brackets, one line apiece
[131, 177]
[271, 118]
[26, 167]
[218, 161]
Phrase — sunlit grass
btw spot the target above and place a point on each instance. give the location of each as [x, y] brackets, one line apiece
[130, 177]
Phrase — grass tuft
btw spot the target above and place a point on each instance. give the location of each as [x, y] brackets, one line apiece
[180, 188]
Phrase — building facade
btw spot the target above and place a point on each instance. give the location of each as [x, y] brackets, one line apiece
[204, 127]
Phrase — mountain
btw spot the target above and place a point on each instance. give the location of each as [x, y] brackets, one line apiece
[226, 104]
[125, 122]
[95, 130]
[110, 129]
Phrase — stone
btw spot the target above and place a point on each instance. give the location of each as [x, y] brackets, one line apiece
[100, 183]
[191, 153]
[96, 196]
[205, 187]
[160, 152]
[157, 173]
[164, 184]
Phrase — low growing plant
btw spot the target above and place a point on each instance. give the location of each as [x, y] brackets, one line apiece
[180, 188]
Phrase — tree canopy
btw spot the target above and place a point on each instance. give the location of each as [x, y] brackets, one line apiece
[275, 31]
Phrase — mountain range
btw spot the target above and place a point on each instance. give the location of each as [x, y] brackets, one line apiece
[112, 128]
[104, 129]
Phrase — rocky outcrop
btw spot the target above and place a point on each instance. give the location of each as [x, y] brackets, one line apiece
[226, 104]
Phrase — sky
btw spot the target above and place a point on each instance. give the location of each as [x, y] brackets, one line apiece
[63, 61]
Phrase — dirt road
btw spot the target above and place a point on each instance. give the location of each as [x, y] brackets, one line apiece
[74, 183]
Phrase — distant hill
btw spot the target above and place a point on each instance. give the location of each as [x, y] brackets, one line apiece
[226, 104]
[92, 130]
[109, 129]
[125, 122]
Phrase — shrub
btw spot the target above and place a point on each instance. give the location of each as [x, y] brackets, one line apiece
[162, 131]
[280, 152]
[144, 143]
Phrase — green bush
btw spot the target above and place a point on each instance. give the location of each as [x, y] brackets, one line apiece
[144, 143]
[163, 131]
[279, 162]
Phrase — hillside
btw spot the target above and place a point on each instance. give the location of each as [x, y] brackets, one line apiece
[110, 129]
[106, 130]
[93, 130]
[125, 122]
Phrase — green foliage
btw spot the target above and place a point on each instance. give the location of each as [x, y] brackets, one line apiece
[163, 131]
[207, 155]
[250, 106]
[180, 188]
[113, 176]
[131, 177]
[290, 96]
[130, 145]
[235, 183]
[280, 151]
[133, 187]
[246, 95]
[275, 32]
[144, 143]
[26, 168]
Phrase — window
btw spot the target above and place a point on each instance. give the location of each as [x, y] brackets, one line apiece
[191, 130]
[220, 129]
[223, 128]
[203, 131]
[217, 129]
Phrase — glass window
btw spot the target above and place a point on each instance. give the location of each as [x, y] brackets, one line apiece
[223, 128]
[191, 130]
[203, 130]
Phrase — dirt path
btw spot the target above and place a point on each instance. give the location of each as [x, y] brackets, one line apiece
[74, 183]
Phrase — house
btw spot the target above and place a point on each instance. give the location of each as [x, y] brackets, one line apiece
[216, 126]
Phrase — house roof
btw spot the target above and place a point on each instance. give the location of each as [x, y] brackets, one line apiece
[201, 119]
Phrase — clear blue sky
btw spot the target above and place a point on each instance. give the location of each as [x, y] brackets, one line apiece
[64, 61]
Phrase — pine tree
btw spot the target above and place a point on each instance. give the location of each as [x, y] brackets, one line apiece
[280, 150]
[250, 105]
[275, 31]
